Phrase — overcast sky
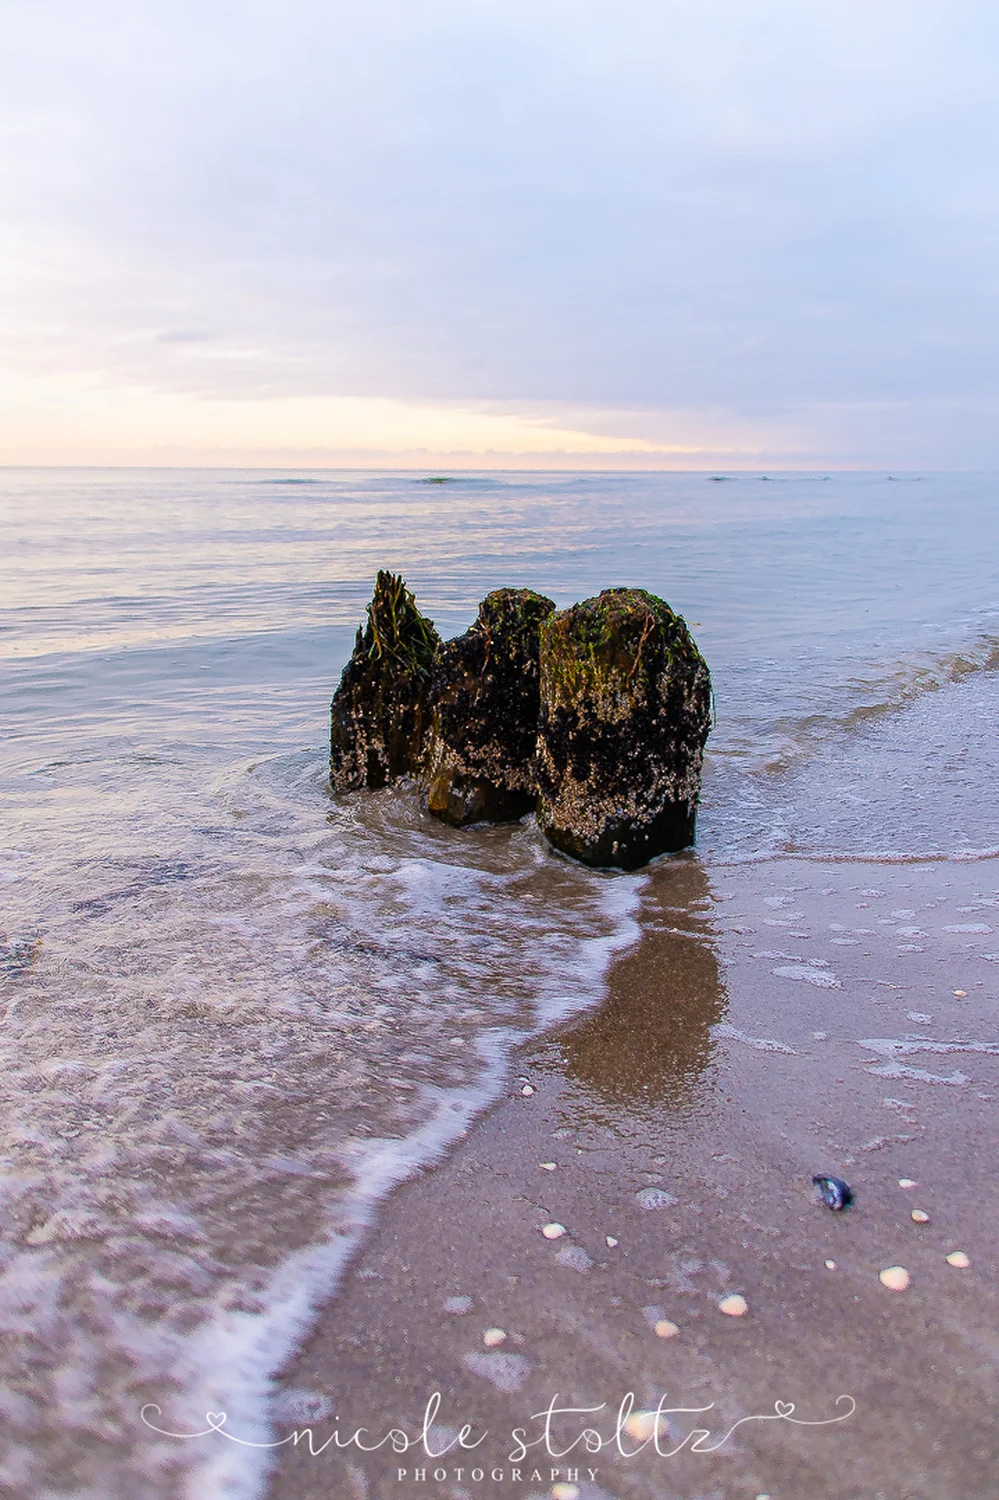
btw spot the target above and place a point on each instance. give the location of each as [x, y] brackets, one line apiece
[646, 232]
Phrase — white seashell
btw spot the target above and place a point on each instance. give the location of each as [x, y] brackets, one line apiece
[919, 1216]
[907, 1182]
[527, 1091]
[494, 1336]
[565, 1491]
[548, 1166]
[830, 1265]
[553, 1231]
[895, 1278]
[642, 1425]
[959, 1259]
[735, 1306]
[611, 1241]
[665, 1329]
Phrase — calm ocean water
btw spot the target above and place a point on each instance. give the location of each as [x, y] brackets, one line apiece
[236, 1011]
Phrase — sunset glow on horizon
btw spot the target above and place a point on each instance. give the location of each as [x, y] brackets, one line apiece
[686, 235]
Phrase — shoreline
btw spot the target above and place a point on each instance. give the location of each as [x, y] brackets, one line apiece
[703, 1084]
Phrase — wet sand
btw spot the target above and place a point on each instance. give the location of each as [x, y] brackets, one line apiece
[685, 1120]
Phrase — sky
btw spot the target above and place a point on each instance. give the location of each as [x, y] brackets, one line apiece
[500, 233]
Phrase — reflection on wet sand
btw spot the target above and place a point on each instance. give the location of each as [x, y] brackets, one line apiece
[649, 1048]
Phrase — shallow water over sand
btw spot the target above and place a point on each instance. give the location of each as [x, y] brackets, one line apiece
[236, 1011]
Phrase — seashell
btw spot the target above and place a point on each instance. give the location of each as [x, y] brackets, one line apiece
[830, 1265]
[527, 1090]
[836, 1193]
[664, 1329]
[611, 1241]
[959, 1259]
[553, 1231]
[735, 1306]
[907, 1182]
[642, 1425]
[895, 1278]
[919, 1216]
[565, 1490]
[548, 1166]
[494, 1336]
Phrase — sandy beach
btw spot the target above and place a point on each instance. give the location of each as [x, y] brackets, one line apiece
[774, 1021]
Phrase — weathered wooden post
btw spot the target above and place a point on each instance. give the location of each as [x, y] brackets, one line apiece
[484, 705]
[625, 711]
[378, 715]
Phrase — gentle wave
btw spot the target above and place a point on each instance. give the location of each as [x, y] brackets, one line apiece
[219, 1058]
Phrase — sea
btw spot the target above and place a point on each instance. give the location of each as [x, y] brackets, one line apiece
[237, 1010]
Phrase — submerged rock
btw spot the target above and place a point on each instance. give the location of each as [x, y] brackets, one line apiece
[378, 715]
[625, 711]
[484, 707]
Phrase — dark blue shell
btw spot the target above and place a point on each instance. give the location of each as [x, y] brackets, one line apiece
[835, 1192]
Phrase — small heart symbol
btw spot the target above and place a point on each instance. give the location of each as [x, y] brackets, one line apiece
[215, 1419]
[783, 1408]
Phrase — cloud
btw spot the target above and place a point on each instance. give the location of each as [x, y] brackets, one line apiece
[774, 216]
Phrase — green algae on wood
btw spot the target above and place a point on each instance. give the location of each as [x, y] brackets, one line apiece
[484, 705]
[378, 714]
[625, 711]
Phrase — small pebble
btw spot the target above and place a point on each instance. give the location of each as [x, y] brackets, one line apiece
[611, 1242]
[665, 1329]
[830, 1265]
[960, 994]
[549, 1166]
[959, 1259]
[919, 1216]
[907, 1182]
[642, 1425]
[494, 1336]
[895, 1278]
[527, 1090]
[735, 1306]
[565, 1491]
[553, 1231]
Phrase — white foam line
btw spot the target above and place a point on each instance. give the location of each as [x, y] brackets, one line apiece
[235, 1359]
[251, 1348]
[872, 857]
[761, 1043]
[892, 1049]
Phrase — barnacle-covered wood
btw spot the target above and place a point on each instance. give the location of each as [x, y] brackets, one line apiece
[484, 702]
[625, 711]
[378, 714]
